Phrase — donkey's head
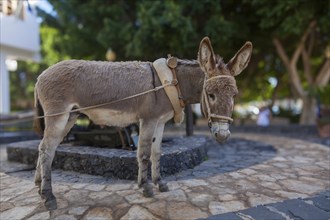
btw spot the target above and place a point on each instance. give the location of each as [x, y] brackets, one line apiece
[220, 86]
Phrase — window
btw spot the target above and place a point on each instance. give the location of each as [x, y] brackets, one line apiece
[12, 7]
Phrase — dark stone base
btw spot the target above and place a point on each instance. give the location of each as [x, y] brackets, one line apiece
[178, 154]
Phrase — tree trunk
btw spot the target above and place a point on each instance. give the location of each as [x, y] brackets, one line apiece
[309, 111]
[308, 116]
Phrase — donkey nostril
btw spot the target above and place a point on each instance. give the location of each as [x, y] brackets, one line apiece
[216, 135]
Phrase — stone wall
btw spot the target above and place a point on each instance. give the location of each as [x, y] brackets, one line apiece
[178, 154]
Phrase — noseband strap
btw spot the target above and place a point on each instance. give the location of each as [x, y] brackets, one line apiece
[221, 117]
[207, 103]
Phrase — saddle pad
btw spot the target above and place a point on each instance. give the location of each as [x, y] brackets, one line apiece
[165, 75]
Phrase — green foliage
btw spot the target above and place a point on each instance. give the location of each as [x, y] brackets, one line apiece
[291, 17]
[323, 94]
[22, 85]
[146, 30]
[289, 114]
[52, 46]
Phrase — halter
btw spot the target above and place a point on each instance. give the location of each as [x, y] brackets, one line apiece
[209, 114]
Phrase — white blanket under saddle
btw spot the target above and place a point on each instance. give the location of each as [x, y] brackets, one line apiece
[165, 75]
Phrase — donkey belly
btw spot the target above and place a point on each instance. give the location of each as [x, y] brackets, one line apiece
[111, 117]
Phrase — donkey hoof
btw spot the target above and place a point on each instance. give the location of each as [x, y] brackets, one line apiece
[51, 204]
[147, 191]
[40, 194]
[163, 187]
[37, 183]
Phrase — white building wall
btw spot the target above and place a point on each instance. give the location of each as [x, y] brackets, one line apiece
[19, 40]
[4, 85]
[20, 37]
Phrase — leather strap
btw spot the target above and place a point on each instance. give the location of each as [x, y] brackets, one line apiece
[172, 64]
[166, 76]
[207, 104]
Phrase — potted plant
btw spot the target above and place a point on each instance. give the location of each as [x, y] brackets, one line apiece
[323, 119]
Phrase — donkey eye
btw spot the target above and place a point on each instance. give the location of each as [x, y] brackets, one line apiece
[211, 96]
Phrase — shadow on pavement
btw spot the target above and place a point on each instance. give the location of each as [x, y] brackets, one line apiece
[233, 155]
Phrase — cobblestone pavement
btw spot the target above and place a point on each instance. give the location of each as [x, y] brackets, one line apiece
[250, 177]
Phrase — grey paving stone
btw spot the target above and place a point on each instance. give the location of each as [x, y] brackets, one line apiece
[226, 216]
[298, 209]
[262, 213]
[321, 202]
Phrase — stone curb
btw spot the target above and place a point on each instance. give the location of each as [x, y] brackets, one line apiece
[178, 154]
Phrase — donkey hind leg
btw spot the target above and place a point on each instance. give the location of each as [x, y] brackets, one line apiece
[37, 177]
[54, 133]
[143, 155]
[155, 158]
[71, 121]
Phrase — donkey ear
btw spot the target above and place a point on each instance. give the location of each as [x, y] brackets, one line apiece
[241, 59]
[206, 57]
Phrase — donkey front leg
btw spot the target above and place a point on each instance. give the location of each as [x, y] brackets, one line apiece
[155, 158]
[147, 129]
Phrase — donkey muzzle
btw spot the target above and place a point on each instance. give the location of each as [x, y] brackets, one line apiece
[220, 131]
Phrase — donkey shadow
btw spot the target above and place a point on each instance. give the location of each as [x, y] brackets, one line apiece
[235, 154]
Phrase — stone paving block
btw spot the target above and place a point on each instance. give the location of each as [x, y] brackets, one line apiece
[321, 202]
[298, 209]
[327, 194]
[226, 216]
[262, 213]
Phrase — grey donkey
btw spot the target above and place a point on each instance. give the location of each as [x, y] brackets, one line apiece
[75, 84]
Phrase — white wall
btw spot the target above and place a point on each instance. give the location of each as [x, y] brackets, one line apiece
[19, 40]
[4, 85]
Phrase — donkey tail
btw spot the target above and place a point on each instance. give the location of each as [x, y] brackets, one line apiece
[38, 123]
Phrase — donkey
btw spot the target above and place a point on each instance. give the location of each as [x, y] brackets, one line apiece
[76, 84]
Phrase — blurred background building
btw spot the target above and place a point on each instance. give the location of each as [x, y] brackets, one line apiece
[19, 40]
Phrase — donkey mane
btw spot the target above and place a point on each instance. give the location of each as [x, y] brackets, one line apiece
[188, 62]
[219, 60]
